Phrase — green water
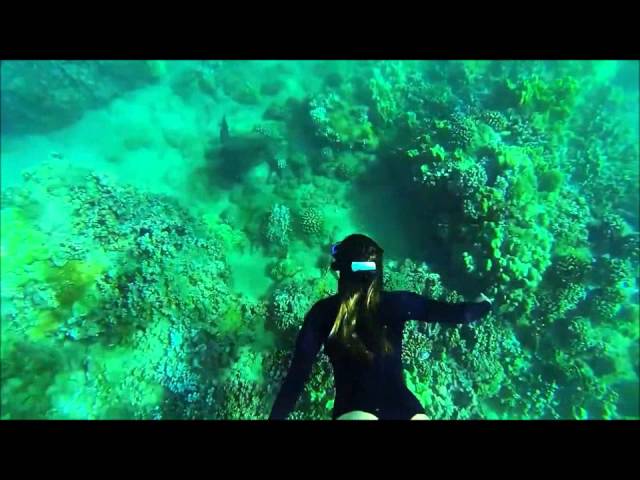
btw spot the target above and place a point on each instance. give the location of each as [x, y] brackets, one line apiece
[153, 267]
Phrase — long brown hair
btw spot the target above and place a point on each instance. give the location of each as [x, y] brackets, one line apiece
[356, 328]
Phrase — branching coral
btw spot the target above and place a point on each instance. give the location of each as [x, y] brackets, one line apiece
[342, 125]
[279, 225]
[290, 304]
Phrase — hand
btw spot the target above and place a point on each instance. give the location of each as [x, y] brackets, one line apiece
[483, 298]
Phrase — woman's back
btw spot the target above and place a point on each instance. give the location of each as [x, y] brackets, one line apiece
[372, 384]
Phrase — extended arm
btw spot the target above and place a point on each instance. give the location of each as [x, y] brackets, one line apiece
[416, 307]
[307, 347]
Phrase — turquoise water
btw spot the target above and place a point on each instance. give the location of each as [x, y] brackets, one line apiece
[166, 226]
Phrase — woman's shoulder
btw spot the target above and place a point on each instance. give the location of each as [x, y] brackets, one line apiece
[326, 303]
[328, 306]
[323, 312]
[395, 295]
[398, 300]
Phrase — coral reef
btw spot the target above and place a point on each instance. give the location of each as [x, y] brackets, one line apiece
[125, 298]
[43, 96]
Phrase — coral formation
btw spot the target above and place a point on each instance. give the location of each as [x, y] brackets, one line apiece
[156, 265]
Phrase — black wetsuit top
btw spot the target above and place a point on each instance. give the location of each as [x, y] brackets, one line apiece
[377, 387]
